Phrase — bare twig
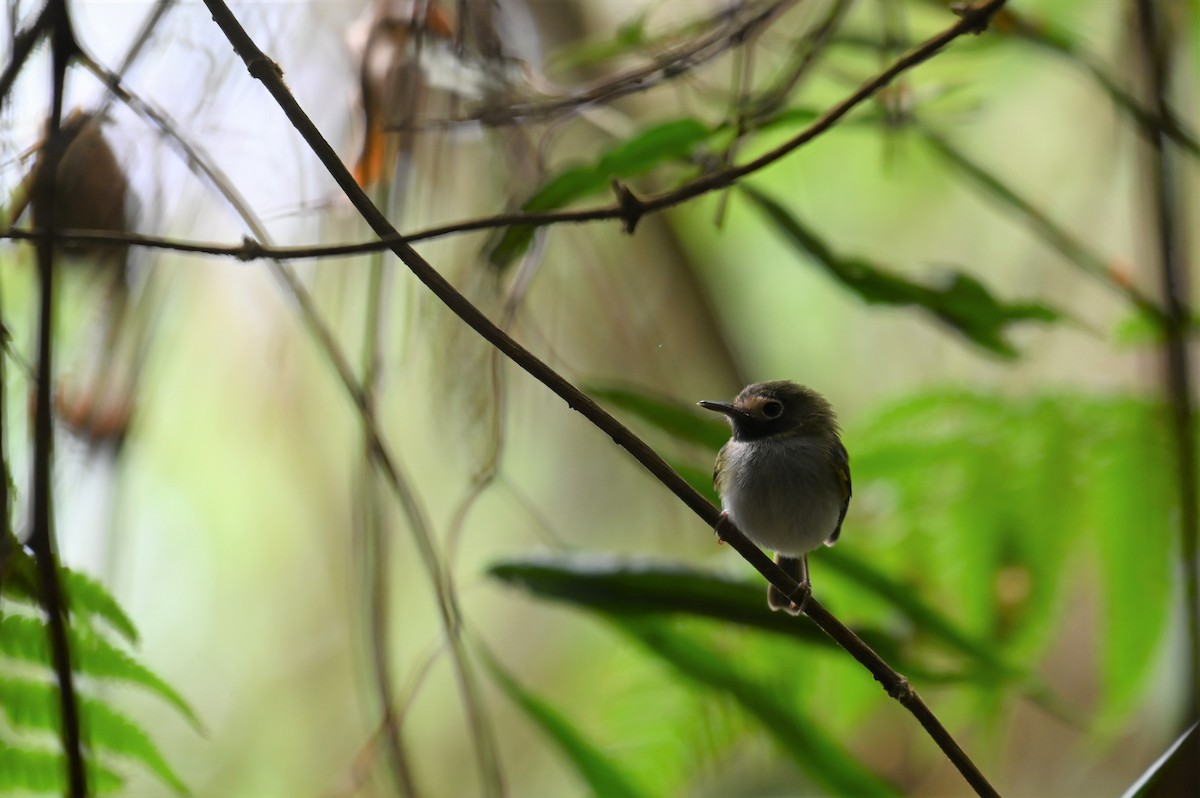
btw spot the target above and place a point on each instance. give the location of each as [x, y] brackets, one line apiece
[22, 46]
[628, 209]
[804, 57]
[377, 551]
[732, 26]
[63, 48]
[1154, 38]
[268, 73]
[390, 469]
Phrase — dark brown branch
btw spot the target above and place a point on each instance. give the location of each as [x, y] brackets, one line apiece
[972, 21]
[63, 48]
[23, 45]
[1155, 45]
[380, 454]
[627, 208]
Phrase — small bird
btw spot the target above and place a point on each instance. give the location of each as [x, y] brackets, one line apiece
[784, 476]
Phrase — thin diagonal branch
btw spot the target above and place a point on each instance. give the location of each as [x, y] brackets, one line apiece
[263, 69]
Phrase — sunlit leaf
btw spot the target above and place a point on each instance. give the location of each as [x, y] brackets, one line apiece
[634, 588]
[676, 419]
[1132, 500]
[24, 638]
[668, 141]
[1142, 329]
[1001, 498]
[40, 771]
[610, 585]
[90, 599]
[30, 705]
[799, 736]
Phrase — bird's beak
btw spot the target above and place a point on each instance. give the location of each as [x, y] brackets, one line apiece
[725, 408]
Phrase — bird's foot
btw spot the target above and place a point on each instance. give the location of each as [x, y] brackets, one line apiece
[723, 523]
[794, 602]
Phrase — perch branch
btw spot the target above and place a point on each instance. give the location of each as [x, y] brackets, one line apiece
[973, 19]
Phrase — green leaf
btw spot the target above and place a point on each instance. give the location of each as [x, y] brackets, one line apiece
[39, 771]
[597, 770]
[668, 141]
[24, 638]
[799, 736]
[32, 705]
[997, 500]
[904, 599]
[1132, 498]
[635, 588]
[960, 301]
[1140, 328]
[677, 419]
[89, 599]
[112, 731]
[623, 587]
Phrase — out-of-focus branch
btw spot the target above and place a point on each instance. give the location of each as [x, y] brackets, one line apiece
[1154, 39]
[628, 209]
[23, 45]
[263, 69]
[730, 27]
[63, 48]
[374, 547]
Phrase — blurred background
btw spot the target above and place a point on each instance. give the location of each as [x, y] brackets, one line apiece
[969, 266]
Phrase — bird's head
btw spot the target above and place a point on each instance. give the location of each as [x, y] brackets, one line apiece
[770, 409]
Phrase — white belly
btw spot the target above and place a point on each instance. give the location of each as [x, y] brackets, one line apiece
[787, 498]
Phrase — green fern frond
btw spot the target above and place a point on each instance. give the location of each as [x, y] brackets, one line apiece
[40, 771]
[24, 638]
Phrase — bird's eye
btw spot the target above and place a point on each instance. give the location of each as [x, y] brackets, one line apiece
[772, 409]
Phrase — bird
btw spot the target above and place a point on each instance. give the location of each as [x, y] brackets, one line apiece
[92, 193]
[392, 82]
[783, 476]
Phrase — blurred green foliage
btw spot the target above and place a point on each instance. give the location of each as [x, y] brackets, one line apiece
[29, 696]
[998, 501]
